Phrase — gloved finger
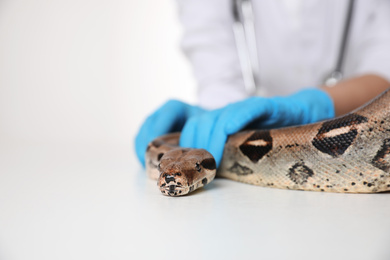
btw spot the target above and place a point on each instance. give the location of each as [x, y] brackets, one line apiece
[199, 133]
[170, 117]
[217, 143]
[212, 132]
[188, 134]
[145, 135]
[205, 129]
[245, 112]
[231, 120]
[196, 132]
[142, 139]
[280, 115]
[159, 123]
[193, 110]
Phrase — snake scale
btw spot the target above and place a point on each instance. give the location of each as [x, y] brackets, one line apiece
[348, 154]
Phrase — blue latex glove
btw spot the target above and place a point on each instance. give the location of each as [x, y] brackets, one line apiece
[170, 117]
[210, 130]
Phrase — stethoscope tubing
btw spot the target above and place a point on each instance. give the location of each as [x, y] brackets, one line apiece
[245, 38]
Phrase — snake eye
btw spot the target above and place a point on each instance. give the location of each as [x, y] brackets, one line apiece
[197, 167]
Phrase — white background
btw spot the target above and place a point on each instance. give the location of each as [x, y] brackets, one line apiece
[87, 71]
[77, 78]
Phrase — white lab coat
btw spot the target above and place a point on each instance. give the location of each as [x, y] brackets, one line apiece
[298, 43]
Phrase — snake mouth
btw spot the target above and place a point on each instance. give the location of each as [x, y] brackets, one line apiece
[173, 190]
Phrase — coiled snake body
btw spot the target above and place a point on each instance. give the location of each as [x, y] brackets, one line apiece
[347, 154]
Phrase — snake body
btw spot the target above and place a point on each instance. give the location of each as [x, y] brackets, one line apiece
[348, 154]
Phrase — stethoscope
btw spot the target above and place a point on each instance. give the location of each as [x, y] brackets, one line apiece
[244, 31]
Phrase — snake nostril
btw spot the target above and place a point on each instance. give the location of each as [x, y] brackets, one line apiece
[169, 178]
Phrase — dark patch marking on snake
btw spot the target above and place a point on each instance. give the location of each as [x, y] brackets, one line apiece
[172, 188]
[159, 156]
[209, 163]
[382, 158]
[204, 181]
[335, 145]
[299, 173]
[257, 145]
[240, 169]
[169, 178]
[157, 143]
[291, 145]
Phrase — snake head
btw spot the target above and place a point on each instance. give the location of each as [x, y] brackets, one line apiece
[185, 170]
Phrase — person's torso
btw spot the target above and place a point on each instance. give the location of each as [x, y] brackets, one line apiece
[298, 41]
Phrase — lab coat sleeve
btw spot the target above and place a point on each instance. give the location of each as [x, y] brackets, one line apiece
[374, 48]
[208, 42]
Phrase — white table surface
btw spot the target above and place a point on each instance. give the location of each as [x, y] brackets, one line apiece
[91, 201]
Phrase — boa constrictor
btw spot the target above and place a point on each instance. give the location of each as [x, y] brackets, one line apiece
[346, 154]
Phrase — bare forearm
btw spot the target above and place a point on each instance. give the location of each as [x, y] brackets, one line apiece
[349, 94]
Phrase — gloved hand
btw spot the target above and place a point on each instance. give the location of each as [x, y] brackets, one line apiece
[170, 117]
[210, 130]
